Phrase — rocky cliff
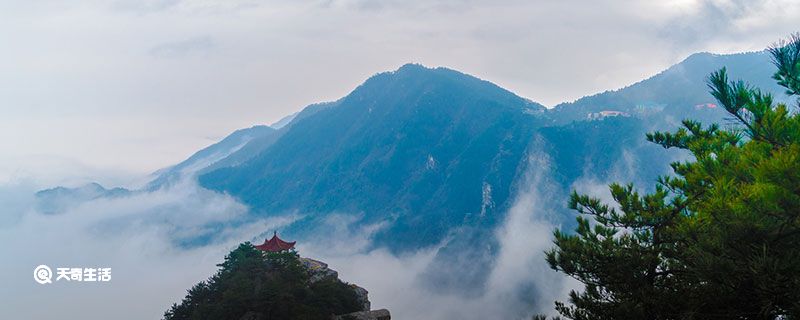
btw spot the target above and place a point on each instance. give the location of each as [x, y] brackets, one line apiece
[319, 271]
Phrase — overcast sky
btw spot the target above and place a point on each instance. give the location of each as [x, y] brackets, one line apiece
[130, 86]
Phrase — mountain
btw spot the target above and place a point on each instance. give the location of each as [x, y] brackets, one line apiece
[60, 199]
[219, 153]
[284, 121]
[677, 89]
[432, 157]
[422, 148]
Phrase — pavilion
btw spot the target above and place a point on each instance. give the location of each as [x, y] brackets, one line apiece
[275, 244]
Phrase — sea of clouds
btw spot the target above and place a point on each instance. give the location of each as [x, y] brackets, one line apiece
[160, 243]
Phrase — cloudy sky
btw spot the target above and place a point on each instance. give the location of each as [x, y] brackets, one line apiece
[108, 91]
[89, 87]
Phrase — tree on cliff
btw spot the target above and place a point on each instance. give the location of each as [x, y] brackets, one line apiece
[718, 240]
[255, 285]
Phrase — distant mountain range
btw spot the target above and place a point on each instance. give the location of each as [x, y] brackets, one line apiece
[436, 155]
[680, 87]
[60, 199]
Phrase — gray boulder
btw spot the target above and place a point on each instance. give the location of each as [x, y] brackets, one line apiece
[381, 314]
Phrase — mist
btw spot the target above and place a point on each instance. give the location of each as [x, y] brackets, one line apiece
[160, 243]
[157, 244]
[520, 284]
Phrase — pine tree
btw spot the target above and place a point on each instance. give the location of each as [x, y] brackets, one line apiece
[718, 240]
[251, 284]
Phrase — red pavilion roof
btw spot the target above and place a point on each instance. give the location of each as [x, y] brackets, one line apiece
[275, 244]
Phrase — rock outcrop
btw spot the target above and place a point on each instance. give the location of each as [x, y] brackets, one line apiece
[381, 314]
[319, 270]
[363, 297]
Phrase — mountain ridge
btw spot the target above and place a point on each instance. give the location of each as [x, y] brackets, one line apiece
[338, 143]
[436, 157]
[375, 141]
[687, 77]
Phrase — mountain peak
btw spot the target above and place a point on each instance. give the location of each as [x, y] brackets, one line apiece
[411, 66]
[417, 69]
[417, 78]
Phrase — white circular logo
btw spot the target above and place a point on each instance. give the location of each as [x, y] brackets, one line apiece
[42, 274]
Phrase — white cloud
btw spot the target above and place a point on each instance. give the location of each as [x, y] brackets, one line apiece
[520, 282]
[145, 239]
[183, 48]
[89, 66]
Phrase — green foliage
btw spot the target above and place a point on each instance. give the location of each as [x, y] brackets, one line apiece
[253, 285]
[786, 56]
[720, 239]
